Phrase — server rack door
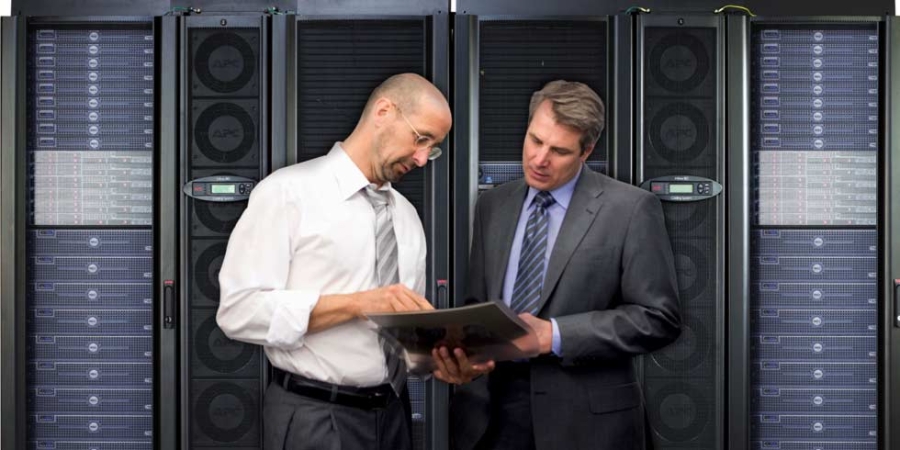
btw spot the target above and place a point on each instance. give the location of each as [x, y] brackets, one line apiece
[816, 142]
[224, 139]
[12, 231]
[168, 195]
[90, 149]
[737, 196]
[679, 109]
[890, 173]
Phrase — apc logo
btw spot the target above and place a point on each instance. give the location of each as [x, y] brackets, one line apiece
[680, 410]
[226, 133]
[224, 342]
[227, 412]
[679, 133]
[678, 63]
[225, 63]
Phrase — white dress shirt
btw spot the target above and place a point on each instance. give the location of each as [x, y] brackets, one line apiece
[310, 231]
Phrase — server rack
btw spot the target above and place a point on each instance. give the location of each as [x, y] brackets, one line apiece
[679, 142]
[812, 318]
[83, 264]
[224, 79]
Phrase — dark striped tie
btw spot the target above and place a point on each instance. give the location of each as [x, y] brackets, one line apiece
[530, 275]
[388, 274]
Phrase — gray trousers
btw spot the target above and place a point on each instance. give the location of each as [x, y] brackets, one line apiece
[294, 422]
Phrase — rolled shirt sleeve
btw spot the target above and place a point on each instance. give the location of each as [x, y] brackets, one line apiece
[254, 305]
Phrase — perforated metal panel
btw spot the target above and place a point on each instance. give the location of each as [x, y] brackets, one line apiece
[814, 374]
[227, 99]
[517, 58]
[90, 124]
[858, 296]
[815, 123]
[119, 374]
[812, 445]
[98, 401]
[92, 426]
[225, 413]
[89, 301]
[813, 427]
[90, 321]
[679, 112]
[339, 63]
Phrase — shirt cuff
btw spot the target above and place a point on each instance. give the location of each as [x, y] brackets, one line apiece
[556, 342]
[290, 317]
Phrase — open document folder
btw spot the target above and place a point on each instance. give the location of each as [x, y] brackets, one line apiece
[486, 331]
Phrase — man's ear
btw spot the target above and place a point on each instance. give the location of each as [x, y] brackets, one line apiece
[381, 111]
[586, 153]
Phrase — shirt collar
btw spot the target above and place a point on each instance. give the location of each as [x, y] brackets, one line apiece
[350, 179]
[562, 195]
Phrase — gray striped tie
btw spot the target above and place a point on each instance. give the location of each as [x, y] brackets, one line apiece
[388, 274]
[530, 275]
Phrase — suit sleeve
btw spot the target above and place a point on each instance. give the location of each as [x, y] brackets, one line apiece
[477, 287]
[647, 318]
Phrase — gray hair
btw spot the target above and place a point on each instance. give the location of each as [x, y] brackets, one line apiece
[574, 104]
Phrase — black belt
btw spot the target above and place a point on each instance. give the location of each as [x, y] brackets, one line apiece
[356, 397]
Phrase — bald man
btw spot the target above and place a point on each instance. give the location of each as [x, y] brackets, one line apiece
[321, 244]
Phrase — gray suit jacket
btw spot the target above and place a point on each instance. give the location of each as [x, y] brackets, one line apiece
[611, 287]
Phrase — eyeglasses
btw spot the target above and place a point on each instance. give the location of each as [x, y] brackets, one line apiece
[421, 141]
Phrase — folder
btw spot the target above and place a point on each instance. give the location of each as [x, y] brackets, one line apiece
[485, 331]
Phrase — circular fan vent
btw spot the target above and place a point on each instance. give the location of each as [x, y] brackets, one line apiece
[217, 351]
[679, 63]
[206, 270]
[679, 412]
[225, 62]
[689, 351]
[682, 218]
[225, 412]
[218, 217]
[692, 271]
[679, 132]
[225, 132]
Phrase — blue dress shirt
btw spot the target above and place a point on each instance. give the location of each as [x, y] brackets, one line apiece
[556, 212]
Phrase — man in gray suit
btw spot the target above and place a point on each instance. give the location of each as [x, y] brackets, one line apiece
[587, 262]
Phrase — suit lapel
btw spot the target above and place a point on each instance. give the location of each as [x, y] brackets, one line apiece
[503, 234]
[580, 215]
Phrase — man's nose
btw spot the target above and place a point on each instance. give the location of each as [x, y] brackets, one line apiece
[542, 157]
[420, 157]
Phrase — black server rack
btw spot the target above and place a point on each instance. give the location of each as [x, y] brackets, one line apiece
[224, 79]
[89, 235]
[515, 59]
[813, 316]
[679, 156]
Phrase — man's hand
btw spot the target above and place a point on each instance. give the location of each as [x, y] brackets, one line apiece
[456, 368]
[544, 330]
[393, 298]
[335, 309]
